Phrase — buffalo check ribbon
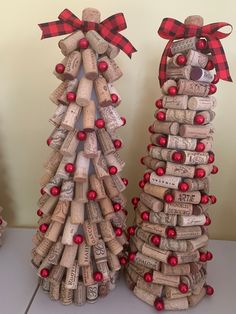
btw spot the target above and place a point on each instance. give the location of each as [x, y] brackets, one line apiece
[172, 29]
[109, 29]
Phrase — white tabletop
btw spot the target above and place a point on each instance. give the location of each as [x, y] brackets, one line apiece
[18, 282]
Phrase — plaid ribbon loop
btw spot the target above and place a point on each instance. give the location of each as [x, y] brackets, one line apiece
[109, 29]
[172, 29]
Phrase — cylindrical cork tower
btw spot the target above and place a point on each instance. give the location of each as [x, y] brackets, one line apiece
[80, 237]
[169, 239]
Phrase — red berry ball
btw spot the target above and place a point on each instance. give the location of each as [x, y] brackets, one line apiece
[204, 199]
[210, 65]
[43, 227]
[146, 176]
[159, 103]
[183, 287]
[112, 170]
[201, 44]
[123, 260]
[125, 181]
[44, 273]
[135, 200]
[81, 135]
[159, 304]
[160, 171]
[117, 143]
[71, 96]
[150, 129]
[170, 233]
[83, 43]
[209, 256]
[208, 221]
[91, 195]
[132, 256]
[216, 79]
[60, 68]
[70, 168]
[162, 141]
[155, 239]
[200, 173]
[100, 123]
[177, 157]
[209, 290]
[214, 170]
[49, 141]
[168, 198]
[203, 257]
[200, 147]
[142, 160]
[114, 98]
[78, 238]
[172, 260]
[181, 60]
[211, 158]
[55, 190]
[97, 276]
[183, 186]
[124, 120]
[131, 230]
[102, 66]
[161, 116]
[125, 211]
[39, 212]
[42, 191]
[116, 207]
[141, 184]
[145, 215]
[148, 277]
[212, 89]
[199, 119]
[172, 90]
[118, 231]
[213, 199]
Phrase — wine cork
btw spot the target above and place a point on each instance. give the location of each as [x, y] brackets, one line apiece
[106, 206]
[197, 59]
[90, 232]
[165, 181]
[118, 182]
[58, 115]
[178, 142]
[53, 231]
[156, 191]
[120, 199]
[195, 131]
[140, 270]
[68, 256]
[180, 116]
[49, 205]
[178, 270]
[113, 91]
[113, 71]
[61, 170]
[36, 259]
[87, 274]
[110, 187]
[112, 51]
[66, 295]
[77, 212]
[156, 253]
[54, 292]
[53, 161]
[82, 168]
[201, 103]
[107, 231]
[187, 197]
[111, 117]
[173, 61]
[70, 43]
[72, 65]
[60, 76]
[174, 293]
[200, 209]
[70, 144]
[37, 238]
[97, 42]
[175, 102]
[114, 246]
[151, 202]
[89, 113]
[57, 137]
[103, 268]
[67, 190]
[161, 279]
[54, 181]
[81, 192]
[58, 92]
[61, 211]
[45, 179]
[45, 284]
[43, 248]
[179, 170]
[94, 212]
[56, 274]
[80, 294]
[195, 299]
[72, 275]
[143, 235]
[84, 254]
[185, 233]
[183, 45]
[165, 127]
[173, 245]
[113, 261]
[198, 243]
[152, 288]
[71, 116]
[114, 159]
[148, 262]
[197, 184]
[201, 75]
[178, 209]
[84, 92]
[163, 219]
[90, 64]
[105, 142]
[168, 83]
[55, 252]
[192, 88]
[206, 168]
[187, 257]
[154, 228]
[92, 293]
[99, 252]
[103, 289]
[176, 304]
[191, 220]
[91, 15]
[145, 296]
[90, 145]
[100, 165]
[179, 72]
[69, 231]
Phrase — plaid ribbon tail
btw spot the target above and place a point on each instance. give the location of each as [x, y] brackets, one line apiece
[163, 63]
[55, 28]
[115, 23]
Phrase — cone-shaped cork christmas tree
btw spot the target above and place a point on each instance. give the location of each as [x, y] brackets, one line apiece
[3, 225]
[80, 238]
[168, 242]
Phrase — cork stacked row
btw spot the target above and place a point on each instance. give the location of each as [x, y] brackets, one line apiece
[3, 225]
[168, 242]
[80, 239]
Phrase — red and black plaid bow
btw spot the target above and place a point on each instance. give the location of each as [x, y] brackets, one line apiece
[109, 29]
[173, 29]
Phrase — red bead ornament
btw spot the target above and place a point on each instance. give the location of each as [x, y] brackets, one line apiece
[149, 147]
[156, 239]
[159, 304]
[78, 239]
[169, 198]
[204, 199]
[132, 256]
[209, 290]
[141, 184]
[209, 256]
[177, 157]
[124, 120]
[142, 160]
[160, 171]
[183, 186]
[100, 123]
[145, 215]
[114, 98]
[123, 260]
[216, 79]
[162, 141]
[60, 68]
[159, 103]
[199, 119]
[125, 211]
[131, 230]
[203, 257]
[125, 181]
[208, 221]
[97, 276]
[172, 260]
[39, 212]
[213, 199]
[44, 273]
[102, 66]
[43, 227]
[200, 147]
[117, 143]
[172, 90]
[70, 168]
[211, 158]
[83, 43]
[55, 190]
[116, 207]
[201, 44]
[210, 65]
[135, 200]
[181, 60]
[42, 191]
[81, 135]
[91, 195]
[170, 233]
[146, 177]
[118, 231]
[150, 129]
[112, 170]
[183, 287]
[49, 141]
[200, 173]
[148, 277]
[214, 170]
[71, 96]
[160, 116]
[212, 89]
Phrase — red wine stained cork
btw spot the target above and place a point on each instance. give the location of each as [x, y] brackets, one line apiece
[102, 92]
[97, 42]
[72, 65]
[91, 15]
[113, 71]
[90, 64]
[89, 113]
[201, 75]
[70, 144]
[70, 43]
[71, 116]
[90, 145]
[84, 92]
